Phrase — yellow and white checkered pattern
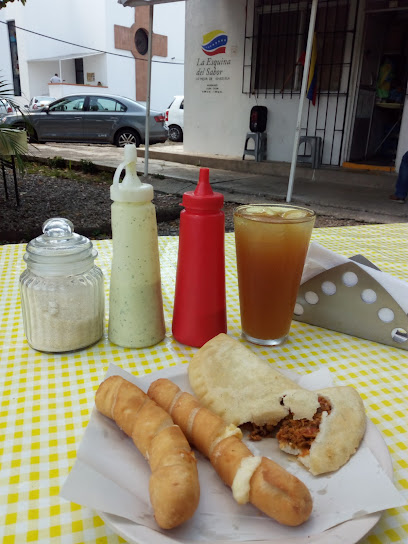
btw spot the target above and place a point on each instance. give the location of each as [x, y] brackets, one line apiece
[46, 400]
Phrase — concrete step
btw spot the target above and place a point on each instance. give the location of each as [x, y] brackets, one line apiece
[327, 174]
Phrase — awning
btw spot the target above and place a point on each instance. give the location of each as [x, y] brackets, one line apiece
[64, 57]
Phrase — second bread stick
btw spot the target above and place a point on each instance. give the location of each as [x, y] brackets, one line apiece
[257, 480]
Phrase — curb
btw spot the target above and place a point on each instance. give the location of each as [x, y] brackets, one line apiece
[337, 174]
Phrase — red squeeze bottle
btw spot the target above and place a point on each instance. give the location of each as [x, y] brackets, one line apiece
[199, 302]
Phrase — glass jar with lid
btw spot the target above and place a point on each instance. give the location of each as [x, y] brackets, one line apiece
[62, 290]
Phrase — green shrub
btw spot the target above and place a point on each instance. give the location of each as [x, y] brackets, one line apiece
[57, 162]
[88, 167]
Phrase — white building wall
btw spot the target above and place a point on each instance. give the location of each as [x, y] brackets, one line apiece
[6, 14]
[40, 73]
[96, 65]
[121, 67]
[168, 73]
[167, 77]
[5, 61]
[217, 111]
[122, 79]
[78, 22]
[217, 117]
[90, 23]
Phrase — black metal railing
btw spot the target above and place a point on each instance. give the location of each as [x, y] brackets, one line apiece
[275, 45]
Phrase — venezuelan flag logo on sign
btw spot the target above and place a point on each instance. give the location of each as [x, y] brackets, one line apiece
[214, 42]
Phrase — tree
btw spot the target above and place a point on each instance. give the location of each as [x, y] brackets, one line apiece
[4, 2]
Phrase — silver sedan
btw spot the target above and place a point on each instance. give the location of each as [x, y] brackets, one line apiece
[91, 119]
[38, 102]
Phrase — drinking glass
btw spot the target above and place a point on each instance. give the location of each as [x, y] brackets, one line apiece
[271, 245]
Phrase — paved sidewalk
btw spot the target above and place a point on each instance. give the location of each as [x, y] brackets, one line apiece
[329, 191]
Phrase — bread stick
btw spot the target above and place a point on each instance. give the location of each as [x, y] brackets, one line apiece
[260, 481]
[173, 486]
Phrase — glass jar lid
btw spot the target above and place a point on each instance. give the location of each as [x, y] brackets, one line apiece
[59, 244]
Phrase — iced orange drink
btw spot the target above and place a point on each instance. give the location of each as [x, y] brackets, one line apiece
[271, 243]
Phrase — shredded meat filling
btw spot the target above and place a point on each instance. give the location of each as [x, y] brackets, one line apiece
[257, 432]
[297, 433]
[300, 433]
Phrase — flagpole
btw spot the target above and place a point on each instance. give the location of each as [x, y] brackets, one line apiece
[305, 78]
[149, 85]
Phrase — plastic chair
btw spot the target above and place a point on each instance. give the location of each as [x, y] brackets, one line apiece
[315, 157]
[259, 150]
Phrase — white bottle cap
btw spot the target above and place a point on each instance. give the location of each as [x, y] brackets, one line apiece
[131, 189]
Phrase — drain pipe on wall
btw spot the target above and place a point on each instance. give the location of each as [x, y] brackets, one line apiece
[302, 98]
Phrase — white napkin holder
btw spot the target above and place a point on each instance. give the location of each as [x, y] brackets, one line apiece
[347, 298]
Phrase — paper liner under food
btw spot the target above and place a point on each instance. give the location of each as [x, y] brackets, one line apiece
[110, 475]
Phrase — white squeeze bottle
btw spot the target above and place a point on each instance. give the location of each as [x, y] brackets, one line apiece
[135, 301]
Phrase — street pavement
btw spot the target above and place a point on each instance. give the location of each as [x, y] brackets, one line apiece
[337, 192]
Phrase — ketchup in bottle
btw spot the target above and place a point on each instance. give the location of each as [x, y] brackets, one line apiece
[199, 303]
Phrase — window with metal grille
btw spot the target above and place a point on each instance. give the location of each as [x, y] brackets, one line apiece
[279, 37]
[331, 35]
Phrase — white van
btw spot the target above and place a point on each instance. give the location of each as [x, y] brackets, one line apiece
[174, 119]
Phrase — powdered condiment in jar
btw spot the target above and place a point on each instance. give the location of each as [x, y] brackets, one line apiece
[62, 294]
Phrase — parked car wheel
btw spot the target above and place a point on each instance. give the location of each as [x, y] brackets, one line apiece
[174, 119]
[175, 133]
[127, 136]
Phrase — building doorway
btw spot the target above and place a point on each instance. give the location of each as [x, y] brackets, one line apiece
[79, 71]
[382, 87]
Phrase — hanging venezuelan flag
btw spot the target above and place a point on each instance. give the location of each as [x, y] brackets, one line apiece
[312, 80]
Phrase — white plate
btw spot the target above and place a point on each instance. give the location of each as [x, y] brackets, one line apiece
[350, 531]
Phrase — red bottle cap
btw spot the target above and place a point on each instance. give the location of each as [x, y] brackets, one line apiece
[203, 198]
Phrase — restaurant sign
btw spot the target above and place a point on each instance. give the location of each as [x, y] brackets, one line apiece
[211, 70]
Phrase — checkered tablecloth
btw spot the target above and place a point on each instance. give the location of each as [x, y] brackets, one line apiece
[46, 400]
